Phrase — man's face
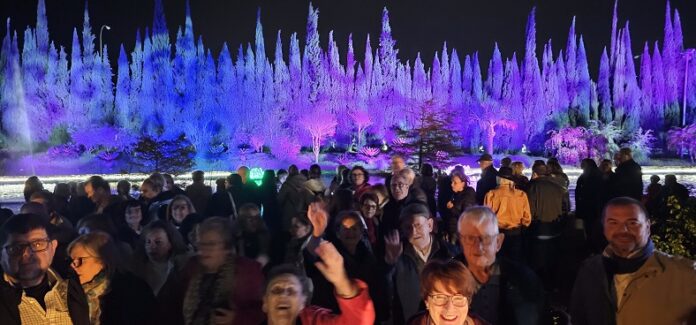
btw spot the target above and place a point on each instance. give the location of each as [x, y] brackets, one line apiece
[397, 164]
[25, 264]
[626, 228]
[284, 299]
[399, 188]
[479, 242]
[243, 173]
[147, 192]
[94, 194]
[417, 230]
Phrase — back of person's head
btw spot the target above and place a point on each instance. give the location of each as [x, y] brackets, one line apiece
[427, 170]
[168, 181]
[506, 162]
[96, 222]
[198, 176]
[234, 180]
[98, 182]
[670, 179]
[43, 197]
[654, 179]
[540, 170]
[100, 245]
[269, 177]
[625, 154]
[62, 190]
[293, 170]
[305, 173]
[35, 208]
[220, 184]
[314, 171]
[554, 167]
[158, 181]
[31, 185]
[517, 168]
[588, 165]
[341, 200]
[537, 163]
[123, 187]
[21, 224]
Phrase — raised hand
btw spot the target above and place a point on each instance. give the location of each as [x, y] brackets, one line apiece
[319, 217]
[393, 247]
[331, 266]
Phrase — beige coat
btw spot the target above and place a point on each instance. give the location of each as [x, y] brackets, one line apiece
[511, 207]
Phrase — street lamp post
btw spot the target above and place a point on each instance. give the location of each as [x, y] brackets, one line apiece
[688, 54]
[101, 30]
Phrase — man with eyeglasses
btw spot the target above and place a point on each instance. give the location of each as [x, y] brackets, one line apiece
[508, 292]
[30, 291]
[631, 282]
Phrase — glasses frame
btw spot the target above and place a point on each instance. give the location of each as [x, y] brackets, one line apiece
[80, 260]
[16, 250]
[461, 300]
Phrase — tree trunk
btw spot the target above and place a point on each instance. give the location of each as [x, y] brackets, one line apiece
[490, 135]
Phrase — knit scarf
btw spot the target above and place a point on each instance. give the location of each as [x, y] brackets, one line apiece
[614, 264]
[94, 290]
[223, 287]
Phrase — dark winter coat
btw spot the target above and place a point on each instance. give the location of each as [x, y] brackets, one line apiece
[588, 199]
[545, 199]
[486, 183]
[291, 199]
[127, 300]
[521, 296]
[199, 194]
[461, 201]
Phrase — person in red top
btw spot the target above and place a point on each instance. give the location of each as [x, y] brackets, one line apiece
[287, 292]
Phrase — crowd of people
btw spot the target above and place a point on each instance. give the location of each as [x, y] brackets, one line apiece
[422, 248]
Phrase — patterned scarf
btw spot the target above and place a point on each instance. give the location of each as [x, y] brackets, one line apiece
[198, 310]
[94, 290]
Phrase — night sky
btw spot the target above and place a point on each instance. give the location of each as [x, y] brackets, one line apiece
[417, 26]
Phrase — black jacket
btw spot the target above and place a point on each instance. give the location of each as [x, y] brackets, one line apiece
[627, 181]
[128, 300]
[521, 298]
[486, 183]
[11, 296]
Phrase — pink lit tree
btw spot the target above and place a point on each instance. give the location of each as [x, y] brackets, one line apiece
[491, 116]
[362, 120]
[320, 126]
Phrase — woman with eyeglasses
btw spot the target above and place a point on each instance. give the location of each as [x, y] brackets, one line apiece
[358, 179]
[253, 239]
[446, 288]
[372, 213]
[114, 295]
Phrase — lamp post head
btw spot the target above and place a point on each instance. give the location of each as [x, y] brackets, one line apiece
[107, 27]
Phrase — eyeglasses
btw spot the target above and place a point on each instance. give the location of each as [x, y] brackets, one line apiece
[357, 174]
[475, 240]
[77, 261]
[399, 185]
[277, 291]
[35, 246]
[457, 300]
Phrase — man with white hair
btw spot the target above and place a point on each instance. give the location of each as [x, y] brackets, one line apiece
[402, 193]
[508, 293]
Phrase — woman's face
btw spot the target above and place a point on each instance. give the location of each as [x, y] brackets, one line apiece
[369, 209]
[85, 264]
[446, 307]
[357, 176]
[180, 210]
[284, 299]
[253, 222]
[212, 253]
[298, 229]
[457, 184]
[350, 232]
[134, 216]
[157, 245]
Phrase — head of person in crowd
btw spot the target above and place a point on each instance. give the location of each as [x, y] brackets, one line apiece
[459, 181]
[150, 189]
[479, 237]
[300, 227]
[359, 176]
[399, 187]
[517, 168]
[98, 190]
[123, 188]
[350, 229]
[168, 182]
[341, 200]
[282, 175]
[654, 179]
[44, 198]
[215, 243]
[382, 193]
[670, 179]
[179, 208]
[234, 181]
[626, 225]
[286, 292]
[34, 207]
[397, 163]
[538, 162]
[268, 180]
[447, 288]
[198, 177]
[416, 224]
[588, 165]
[506, 162]
[160, 241]
[504, 178]
[427, 170]
[305, 173]
[250, 220]
[624, 155]
[485, 161]
[31, 185]
[28, 249]
[96, 222]
[314, 171]
[293, 170]
[606, 166]
[369, 205]
[243, 172]
[159, 180]
[539, 171]
[220, 184]
[134, 214]
[554, 167]
[62, 190]
[94, 254]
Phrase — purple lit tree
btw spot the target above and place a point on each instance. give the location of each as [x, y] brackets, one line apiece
[491, 116]
[319, 126]
[533, 113]
[582, 86]
[603, 89]
[122, 99]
